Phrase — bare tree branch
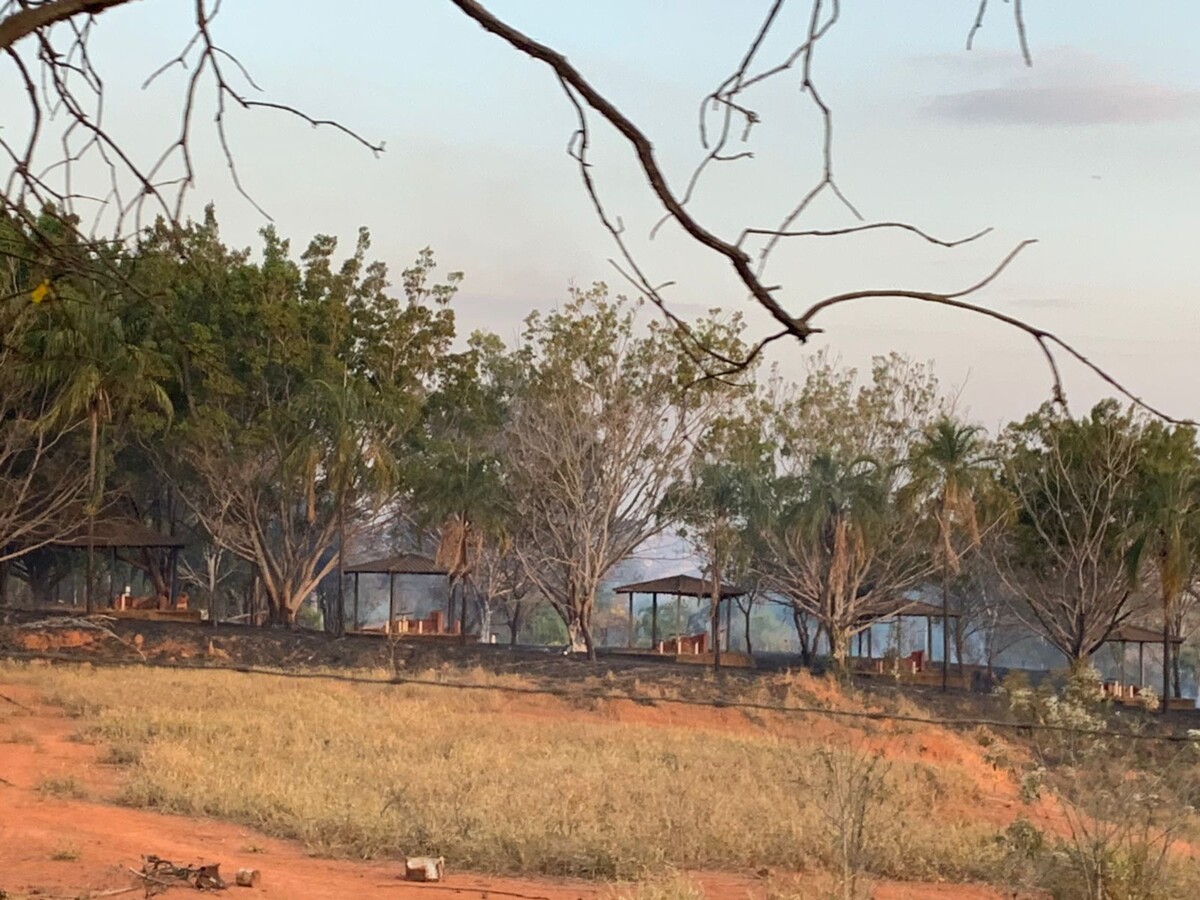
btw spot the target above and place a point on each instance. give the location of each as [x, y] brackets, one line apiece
[29, 19]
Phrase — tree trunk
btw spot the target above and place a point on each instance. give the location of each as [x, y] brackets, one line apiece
[802, 636]
[945, 628]
[839, 646]
[585, 631]
[1166, 667]
[93, 452]
[959, 640]
[716, 612]
[338, 626]
[463, 570]
[514, 625]
[485, 623]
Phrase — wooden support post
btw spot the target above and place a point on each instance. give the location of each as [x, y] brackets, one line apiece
[678, 618]
[654, 621]
[1141, 663]
[728, 622]
[1124, 653]
[462, 608]
[629, 636]
[929, 638]
[174, 566]
[391, 601]
[89, 601]
[870, 648]
[112, 573]
[356, 620]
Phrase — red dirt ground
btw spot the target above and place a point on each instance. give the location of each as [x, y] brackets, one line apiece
[105, 840]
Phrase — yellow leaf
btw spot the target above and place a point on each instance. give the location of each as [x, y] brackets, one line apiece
[41, 292]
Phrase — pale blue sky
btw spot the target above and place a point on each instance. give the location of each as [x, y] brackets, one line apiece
[1093, 152]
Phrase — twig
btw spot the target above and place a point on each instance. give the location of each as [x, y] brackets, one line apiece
[15, 703]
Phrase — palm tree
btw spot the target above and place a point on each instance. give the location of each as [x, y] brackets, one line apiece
[359, 463]
[462, 490]
[105, 371]
[950, 463]
[833, 515]
[1169, 515]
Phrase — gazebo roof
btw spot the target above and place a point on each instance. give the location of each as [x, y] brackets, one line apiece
[917, 609]
[401, 564]
[1136, 634]
[116, 533]
[679, 586]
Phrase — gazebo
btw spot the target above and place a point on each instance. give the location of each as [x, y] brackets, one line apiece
[391, 566]
[677, 586]
[113, 533]
[896, 611]
[1137, 634]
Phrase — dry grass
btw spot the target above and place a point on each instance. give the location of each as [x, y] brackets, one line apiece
[502, 783]
[69, 788]
[18, 736]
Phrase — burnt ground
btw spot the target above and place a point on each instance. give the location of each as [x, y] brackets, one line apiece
[38, 634]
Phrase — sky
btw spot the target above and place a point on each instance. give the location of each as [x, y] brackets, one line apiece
[1092, 152]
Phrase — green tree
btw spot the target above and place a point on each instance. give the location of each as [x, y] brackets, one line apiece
[841, 537]
[604, 424]
[41, 476]
[457, 482]
[1076, 518]
[720, 499]
[842, 545]
[302, 383]
[1168, 538]
[951, 466]
[100, 350]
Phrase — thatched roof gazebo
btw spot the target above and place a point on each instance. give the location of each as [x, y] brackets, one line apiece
[391, 566]
[677, 586]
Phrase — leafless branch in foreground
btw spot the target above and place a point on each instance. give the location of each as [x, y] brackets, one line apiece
[726, 100]
[48, 45]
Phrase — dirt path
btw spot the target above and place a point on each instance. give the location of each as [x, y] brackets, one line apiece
[56, 844]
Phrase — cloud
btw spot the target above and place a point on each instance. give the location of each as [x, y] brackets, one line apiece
[1065, 88]
[1044, 303]
[1134, 103]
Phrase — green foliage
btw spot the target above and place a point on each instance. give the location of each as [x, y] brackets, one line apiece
[842, 536]
[302, 383]
[1076, 501]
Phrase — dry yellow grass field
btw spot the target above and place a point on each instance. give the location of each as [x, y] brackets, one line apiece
[536, 784]
[499, 783]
